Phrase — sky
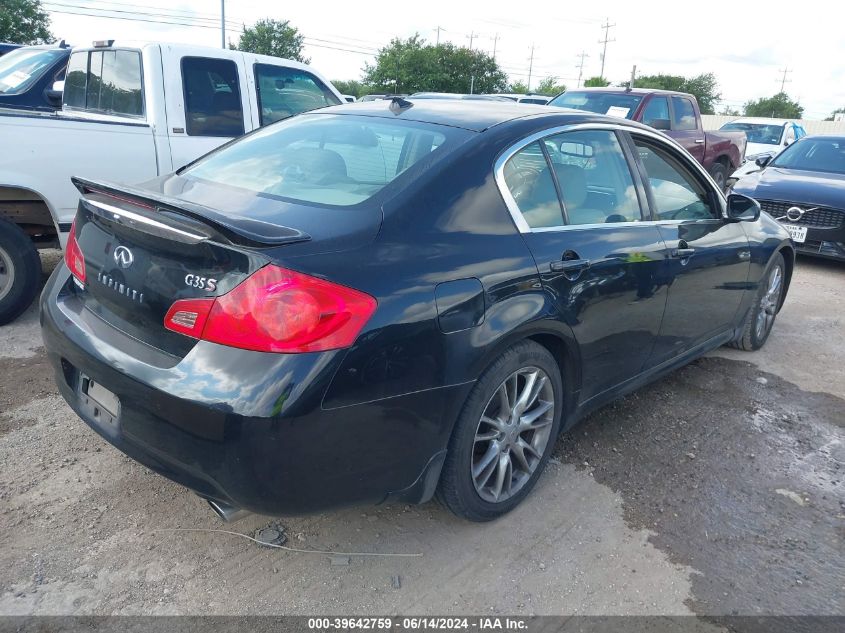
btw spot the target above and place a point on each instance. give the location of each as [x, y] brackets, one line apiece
[746, 44]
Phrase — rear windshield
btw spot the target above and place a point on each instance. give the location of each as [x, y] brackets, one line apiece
[325, 159]
[23, 67]
[619, 105]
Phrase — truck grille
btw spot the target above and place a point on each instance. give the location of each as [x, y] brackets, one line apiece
[817, 218]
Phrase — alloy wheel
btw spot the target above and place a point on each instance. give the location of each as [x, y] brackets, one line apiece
[7, 273]
[769, 302]
[512, 434]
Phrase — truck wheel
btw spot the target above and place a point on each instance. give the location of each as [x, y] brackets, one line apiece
[20, 271]
[720, 175]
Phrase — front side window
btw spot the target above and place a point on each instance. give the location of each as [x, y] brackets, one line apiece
[212, 97]
[23, 67]
[656, 113]
[283, 92]
[677, 193]
[105, 81]
[684, 117]
[338, 160]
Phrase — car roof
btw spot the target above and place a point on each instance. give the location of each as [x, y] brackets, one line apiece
[761, 120]
[476, 116]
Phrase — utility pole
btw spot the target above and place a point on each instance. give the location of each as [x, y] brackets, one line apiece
[223, 23]
[438, 36]
[606, 26]
[530, 67]
[784, 80]
[633, 76]
[581, 66]
[471, 37]
[495, 41]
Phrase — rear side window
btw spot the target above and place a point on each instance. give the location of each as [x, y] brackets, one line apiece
[283, 92]
[339, 160]
[105, 81]
[684, 117]
[530, 182]
[212, 97]
[590, 170]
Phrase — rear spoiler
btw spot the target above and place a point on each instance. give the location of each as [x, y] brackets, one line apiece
[159, 209]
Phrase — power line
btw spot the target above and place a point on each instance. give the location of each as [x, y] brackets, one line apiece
[309, 41]
[606, 26]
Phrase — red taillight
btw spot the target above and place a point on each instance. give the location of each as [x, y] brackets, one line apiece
[276, 310]
[73, 255]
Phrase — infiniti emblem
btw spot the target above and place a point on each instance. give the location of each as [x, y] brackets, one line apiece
[123, 257]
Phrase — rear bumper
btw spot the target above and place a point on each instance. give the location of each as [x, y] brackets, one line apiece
[248, 428]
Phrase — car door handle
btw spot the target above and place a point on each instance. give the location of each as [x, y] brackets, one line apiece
[683, 253]
[699, 140]
[569, 265]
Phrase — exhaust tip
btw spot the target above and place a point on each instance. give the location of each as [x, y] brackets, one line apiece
[228, 513]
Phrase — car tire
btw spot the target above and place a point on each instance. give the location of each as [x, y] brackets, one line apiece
[463, 488]
[20, 271]
[720, 174]
[767, 301]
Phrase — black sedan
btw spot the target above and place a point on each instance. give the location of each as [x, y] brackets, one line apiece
[387, 301]
[804, 188]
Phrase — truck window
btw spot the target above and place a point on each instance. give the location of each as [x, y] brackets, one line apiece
[684, 118]
[212, 97]
[105, 81]
[283, 92]
[657, 110]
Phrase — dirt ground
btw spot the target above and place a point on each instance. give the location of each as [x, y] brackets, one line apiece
[717, 491]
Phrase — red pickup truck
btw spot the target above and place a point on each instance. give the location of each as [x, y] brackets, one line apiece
[675, 113]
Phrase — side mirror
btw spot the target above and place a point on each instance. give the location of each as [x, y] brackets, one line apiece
[660, 124]
[54, 94]
[742, 208]
[763, 161]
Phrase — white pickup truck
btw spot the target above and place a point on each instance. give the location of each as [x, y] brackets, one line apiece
[129, 113]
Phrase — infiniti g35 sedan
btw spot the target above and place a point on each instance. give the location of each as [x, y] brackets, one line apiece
[396, 300]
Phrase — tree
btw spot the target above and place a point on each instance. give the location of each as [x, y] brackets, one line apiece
[272, 37]
[519, 87]
[350, 87]
[729, 111]
[780, 106]
[550, 86]
[596, 82]
[703, 87]
[24, 22]
[834, 113]
[413, 65]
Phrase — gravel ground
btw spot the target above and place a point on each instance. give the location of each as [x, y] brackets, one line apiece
[717, 491]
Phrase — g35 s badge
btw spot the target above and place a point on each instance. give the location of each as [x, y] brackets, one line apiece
[203, 283]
